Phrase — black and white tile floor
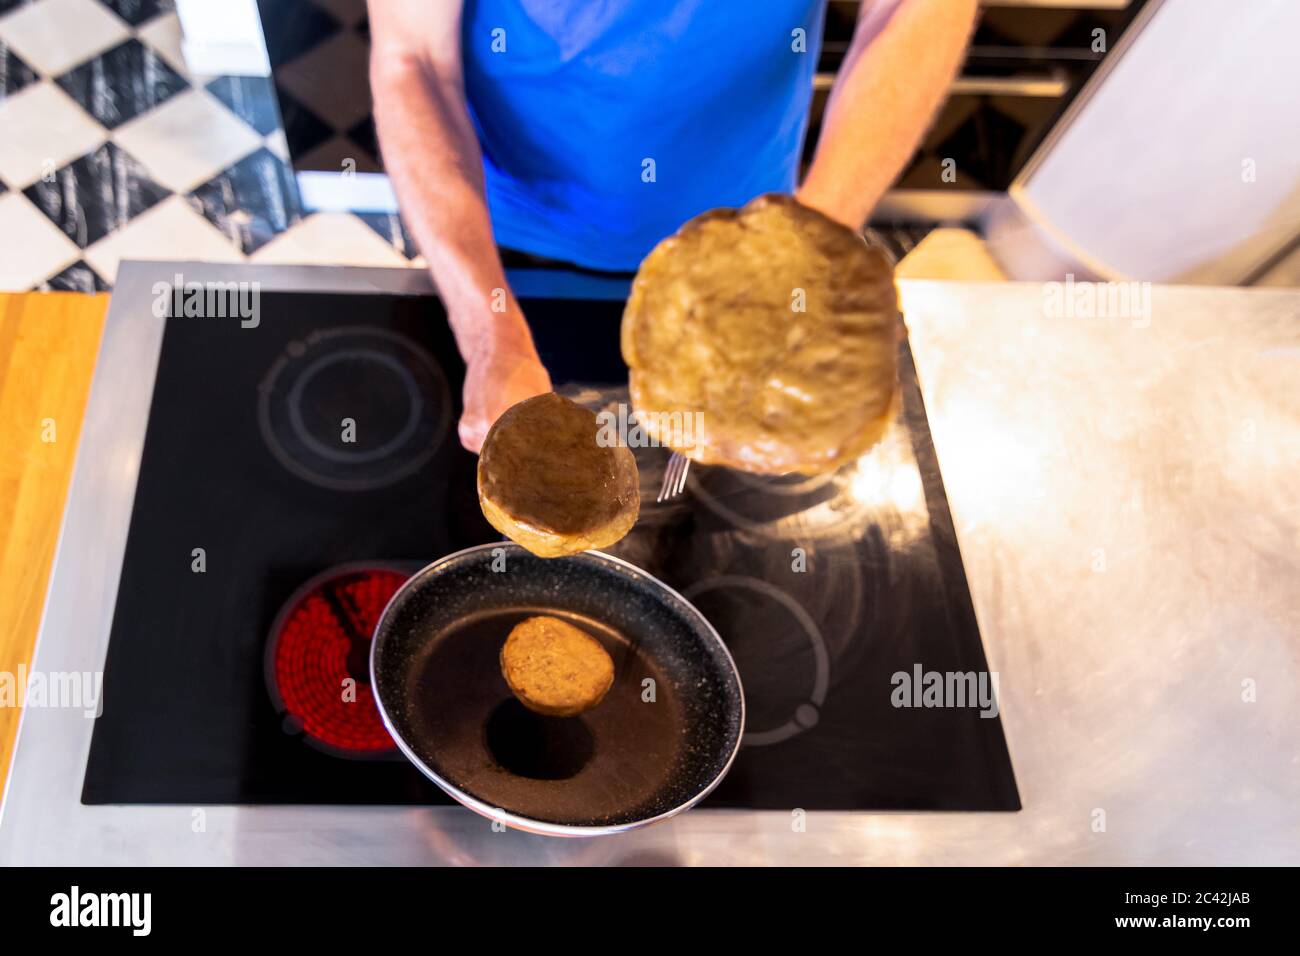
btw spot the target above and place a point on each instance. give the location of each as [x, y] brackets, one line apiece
[111, 149]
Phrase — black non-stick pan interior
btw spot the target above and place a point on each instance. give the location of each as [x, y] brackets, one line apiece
[664, 734]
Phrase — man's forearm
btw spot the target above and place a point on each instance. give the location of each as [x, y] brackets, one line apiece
[899, 67]
[432, 158]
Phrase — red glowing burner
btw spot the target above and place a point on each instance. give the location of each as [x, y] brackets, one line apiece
[317, 661]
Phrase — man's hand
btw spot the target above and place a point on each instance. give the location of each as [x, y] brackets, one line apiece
[503, 370]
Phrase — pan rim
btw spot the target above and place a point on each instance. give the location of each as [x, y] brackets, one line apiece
[517, 821]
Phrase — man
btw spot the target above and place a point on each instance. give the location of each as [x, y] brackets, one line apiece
[587, 130]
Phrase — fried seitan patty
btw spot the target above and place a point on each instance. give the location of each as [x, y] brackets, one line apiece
[546, 483]
[776, 323]
[555, 668]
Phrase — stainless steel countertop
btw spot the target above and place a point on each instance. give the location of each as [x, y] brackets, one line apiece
[1125, 497]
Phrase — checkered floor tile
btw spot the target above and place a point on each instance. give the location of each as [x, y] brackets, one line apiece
[121, 83]
[137, 12]
[111, 150]
[252, 201]
[251, 98]
[14, 73]
[95, 194]
[319, 50]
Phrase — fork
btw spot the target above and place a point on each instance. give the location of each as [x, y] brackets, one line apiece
[674, 476]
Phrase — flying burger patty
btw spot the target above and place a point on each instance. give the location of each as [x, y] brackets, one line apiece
[546, 482]
[774, 324]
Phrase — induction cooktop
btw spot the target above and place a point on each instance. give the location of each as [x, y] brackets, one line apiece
[296, 470]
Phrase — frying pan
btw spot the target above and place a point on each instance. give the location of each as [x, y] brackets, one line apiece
[662, 738]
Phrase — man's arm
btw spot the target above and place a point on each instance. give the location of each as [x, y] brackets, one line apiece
[897, 72]
[432, 157]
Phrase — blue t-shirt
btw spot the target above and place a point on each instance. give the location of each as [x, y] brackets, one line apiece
[606, 124]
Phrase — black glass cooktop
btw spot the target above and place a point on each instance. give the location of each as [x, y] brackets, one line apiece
[294, 472]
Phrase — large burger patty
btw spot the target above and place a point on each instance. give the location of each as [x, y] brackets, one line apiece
[772, 326]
